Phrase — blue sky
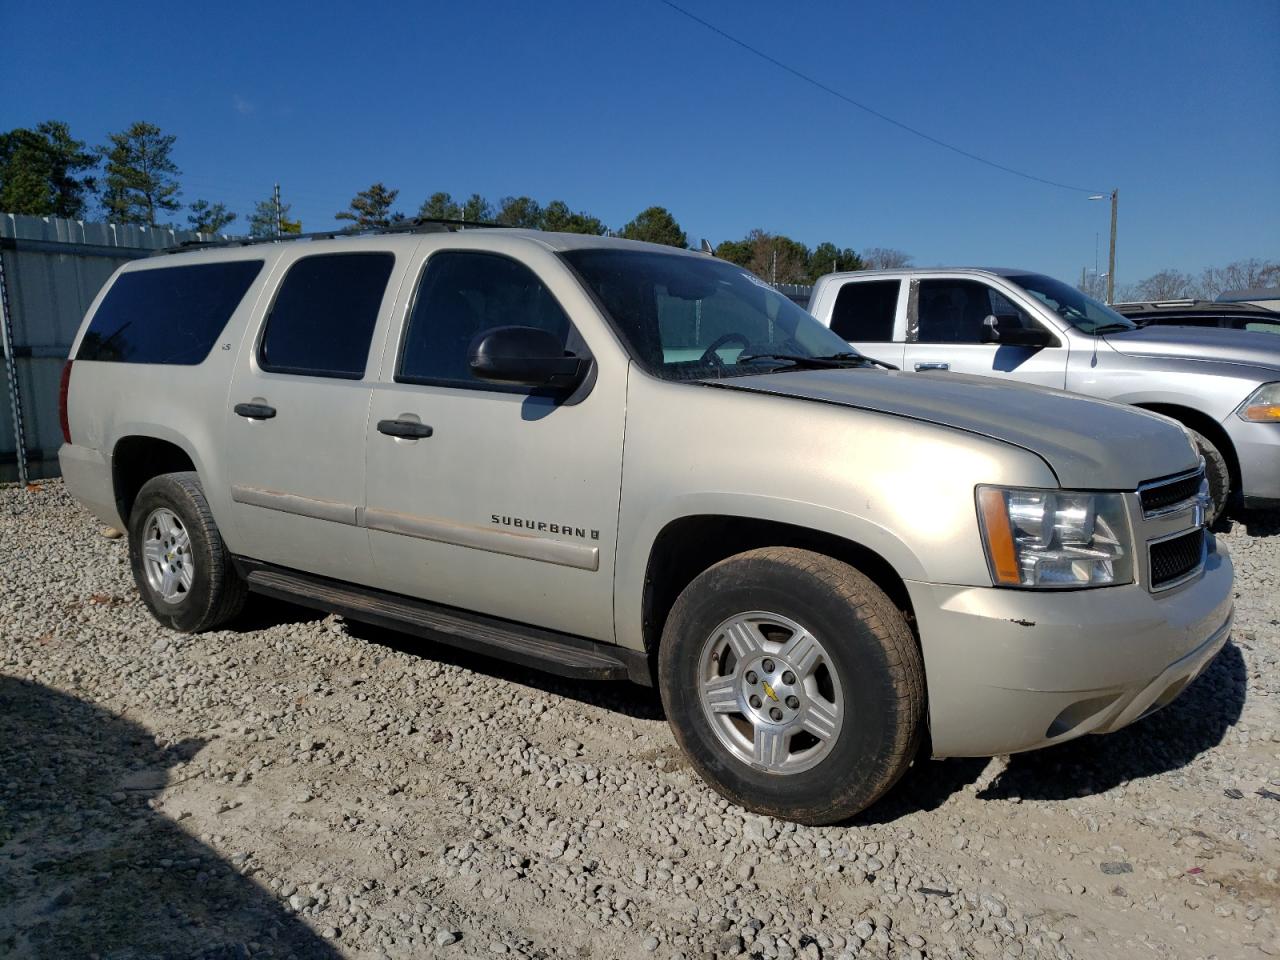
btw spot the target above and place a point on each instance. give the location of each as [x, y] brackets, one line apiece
[615, 106]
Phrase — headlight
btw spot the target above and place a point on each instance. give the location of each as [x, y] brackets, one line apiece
[1055, 538]
[1263, 405]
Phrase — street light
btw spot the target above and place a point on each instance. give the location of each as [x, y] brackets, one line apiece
[1111, 260]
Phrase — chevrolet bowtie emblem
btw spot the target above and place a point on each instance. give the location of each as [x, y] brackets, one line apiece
[769, 690]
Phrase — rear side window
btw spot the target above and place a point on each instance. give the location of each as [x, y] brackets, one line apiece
[1263, 326]
[865, 311]
[167, 314]
[463, 294]
[323, 317]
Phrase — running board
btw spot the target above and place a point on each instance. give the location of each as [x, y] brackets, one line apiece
[559, 653]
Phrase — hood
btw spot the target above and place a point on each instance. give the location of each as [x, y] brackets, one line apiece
[1200, 343]
[1089, 444]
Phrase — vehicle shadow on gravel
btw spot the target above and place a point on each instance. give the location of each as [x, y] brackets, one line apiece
[619, 696]
[926, 785]
[1256, 523]
[1165, 741]
[261, 612]
[87, 868]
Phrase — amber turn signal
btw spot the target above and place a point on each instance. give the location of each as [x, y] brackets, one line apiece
[1263, 412]
[995, 520]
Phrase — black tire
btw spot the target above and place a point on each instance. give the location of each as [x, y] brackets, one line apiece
[216, 593]
[876, 658]
[1216, 472]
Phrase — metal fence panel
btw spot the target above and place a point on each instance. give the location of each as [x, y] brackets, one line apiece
[795, 292]
[52, 269]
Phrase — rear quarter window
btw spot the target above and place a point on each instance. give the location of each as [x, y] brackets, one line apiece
[865, 311]
[167, 314]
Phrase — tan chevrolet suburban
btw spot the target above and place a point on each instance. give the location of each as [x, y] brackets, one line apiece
[616, 460]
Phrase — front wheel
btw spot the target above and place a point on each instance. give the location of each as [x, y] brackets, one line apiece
[1216, 472]
[180, 564]
[793, 684]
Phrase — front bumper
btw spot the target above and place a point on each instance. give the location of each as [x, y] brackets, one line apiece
[1257, 447]
[1011, 670]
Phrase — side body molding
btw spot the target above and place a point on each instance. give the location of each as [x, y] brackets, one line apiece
[524, 545]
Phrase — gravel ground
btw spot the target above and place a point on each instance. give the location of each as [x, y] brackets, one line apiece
[303, 786]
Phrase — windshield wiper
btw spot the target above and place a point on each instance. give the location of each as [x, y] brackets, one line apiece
[830, 362]
[861, 359]
[1112, 328]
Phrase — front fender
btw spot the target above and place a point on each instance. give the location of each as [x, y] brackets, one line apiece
[633, 564]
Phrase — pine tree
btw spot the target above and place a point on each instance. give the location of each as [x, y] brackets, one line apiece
[440, 206]
[206, 217]
[656, 225]
[141, 177]
[372, 208]
[262, 222]
[39, 171]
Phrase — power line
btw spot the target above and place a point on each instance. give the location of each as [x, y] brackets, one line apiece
[862, 106]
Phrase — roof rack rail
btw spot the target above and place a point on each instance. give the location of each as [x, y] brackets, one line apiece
[414, 225]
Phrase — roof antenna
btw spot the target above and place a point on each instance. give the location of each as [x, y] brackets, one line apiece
[706, 248]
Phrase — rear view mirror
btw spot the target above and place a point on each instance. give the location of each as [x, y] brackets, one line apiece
[527, 356]
[1009, 331]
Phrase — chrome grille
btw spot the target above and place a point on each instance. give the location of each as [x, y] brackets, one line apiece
[1170, 493]
[1176, 558]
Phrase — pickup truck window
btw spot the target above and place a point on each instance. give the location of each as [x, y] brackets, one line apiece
[461, 295]
[323, 317]
[1083, 313]
[690, 318]
[168, 314]
[864, 310]
[953, 311]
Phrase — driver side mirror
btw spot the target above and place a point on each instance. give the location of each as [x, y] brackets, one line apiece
[1013, 334]
[524, 356]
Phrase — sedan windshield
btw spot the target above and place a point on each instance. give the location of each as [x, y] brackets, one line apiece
[1082, 312]
[692, 318]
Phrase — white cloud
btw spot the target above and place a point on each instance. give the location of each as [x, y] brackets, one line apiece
[243, 106]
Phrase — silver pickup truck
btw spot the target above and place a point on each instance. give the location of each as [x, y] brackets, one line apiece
[1223, 385]
[616, 460]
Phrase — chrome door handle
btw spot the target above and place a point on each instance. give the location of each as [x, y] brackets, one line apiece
[933, 365]
[404, 429]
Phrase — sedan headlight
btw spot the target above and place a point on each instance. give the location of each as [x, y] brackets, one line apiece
[1263, 405]
[1055, 538]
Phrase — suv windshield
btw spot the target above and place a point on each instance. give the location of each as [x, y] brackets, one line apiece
[690, 318]
[1082, 312]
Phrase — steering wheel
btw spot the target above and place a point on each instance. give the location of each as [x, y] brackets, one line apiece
[709, 355]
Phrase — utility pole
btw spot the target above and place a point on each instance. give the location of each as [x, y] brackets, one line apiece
[280, 230]
[1111, 260]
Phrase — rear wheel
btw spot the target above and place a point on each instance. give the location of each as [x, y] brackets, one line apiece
[180, 564]
[1216, 472]
[793, 684]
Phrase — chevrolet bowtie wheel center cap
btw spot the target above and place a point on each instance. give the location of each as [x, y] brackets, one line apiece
[770, 692]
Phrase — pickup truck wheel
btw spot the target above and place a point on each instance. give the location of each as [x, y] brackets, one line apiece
[180, 564]
[1216, 472]
[793, 684]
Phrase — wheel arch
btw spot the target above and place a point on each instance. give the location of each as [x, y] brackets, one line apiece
[137, 458]
[688, 545]
[1203, 424]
